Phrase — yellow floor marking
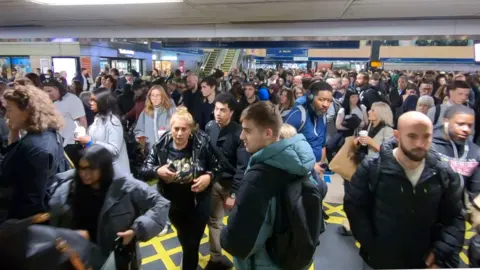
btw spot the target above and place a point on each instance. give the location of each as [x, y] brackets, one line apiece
[164, 255]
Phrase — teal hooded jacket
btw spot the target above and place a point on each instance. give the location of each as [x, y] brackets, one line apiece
[251, 221]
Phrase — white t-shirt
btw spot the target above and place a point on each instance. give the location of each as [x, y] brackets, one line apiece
[71, 108]
[412, 174]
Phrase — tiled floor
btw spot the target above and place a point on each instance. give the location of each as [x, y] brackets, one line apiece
[335, 252]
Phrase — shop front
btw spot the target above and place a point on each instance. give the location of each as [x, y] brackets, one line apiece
[124, 57]
[21, 63]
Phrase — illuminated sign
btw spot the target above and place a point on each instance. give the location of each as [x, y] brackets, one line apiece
[376, 64]
[126, 52]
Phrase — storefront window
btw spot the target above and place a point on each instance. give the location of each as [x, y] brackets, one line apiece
[104, 64]
[137, 65]
[121, 65]
[165, 66]
[69, 65]
[22, 64]
[5, 67]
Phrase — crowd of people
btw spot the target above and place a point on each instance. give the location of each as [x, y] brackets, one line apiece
[128, 157]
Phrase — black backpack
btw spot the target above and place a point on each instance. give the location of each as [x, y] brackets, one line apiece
[298, 225]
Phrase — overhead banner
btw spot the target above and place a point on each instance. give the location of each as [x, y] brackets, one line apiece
[260, 44]
[284, 53]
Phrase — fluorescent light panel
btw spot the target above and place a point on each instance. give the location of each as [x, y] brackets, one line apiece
[100, 2]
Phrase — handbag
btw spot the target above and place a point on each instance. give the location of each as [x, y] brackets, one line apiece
[343, 163]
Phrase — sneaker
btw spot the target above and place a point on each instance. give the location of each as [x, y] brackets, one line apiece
[223, 264]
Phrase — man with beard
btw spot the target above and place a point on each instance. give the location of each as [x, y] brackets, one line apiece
[404, 206]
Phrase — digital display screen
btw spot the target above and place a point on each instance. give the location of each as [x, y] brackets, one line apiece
[477, 52]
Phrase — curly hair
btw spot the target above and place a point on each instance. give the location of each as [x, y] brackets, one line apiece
[42, 114]
[166, 103]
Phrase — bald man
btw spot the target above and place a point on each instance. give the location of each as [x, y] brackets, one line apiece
[404, 206]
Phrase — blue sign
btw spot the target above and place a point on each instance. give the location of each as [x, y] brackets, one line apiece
[259, 44]
[281, 53]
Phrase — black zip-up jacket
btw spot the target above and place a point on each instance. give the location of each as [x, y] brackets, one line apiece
[369, 95]
[399, 225]
[233, 158]
[203, 161]
[467, 167]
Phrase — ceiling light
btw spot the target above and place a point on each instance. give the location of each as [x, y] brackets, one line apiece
[100, 2]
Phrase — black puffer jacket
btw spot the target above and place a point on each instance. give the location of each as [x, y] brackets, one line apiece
[203, 158]
[399, 225]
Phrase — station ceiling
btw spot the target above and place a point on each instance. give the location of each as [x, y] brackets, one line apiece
[22, 13]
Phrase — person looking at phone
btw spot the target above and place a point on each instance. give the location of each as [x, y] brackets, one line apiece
[184, 163]
[155, 118]
[98, 198]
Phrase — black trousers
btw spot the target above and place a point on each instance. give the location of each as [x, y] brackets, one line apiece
[190, 220]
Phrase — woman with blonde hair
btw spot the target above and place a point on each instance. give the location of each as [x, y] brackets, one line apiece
[380, 128]
[154, 120]
[35, 157]
[184, 164]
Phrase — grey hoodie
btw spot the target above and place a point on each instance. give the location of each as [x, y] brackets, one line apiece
[146, 126]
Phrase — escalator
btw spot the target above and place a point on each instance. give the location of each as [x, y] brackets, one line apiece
[228, 61]
[210, 64]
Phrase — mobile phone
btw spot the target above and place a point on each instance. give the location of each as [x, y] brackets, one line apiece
[172, 168]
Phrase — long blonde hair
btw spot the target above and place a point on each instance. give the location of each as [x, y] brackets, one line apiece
[383, 112]
[165, 103]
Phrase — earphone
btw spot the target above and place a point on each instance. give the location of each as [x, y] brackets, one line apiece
[310, 96]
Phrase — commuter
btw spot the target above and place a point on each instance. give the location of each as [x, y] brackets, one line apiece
[32, 79]
[154, 120]
[192, 96]
[106, 129]
[223, 85]
[225, 140]
[404, 206]
[424, 104]
[458, 93]
[178, 94]
[85, 98]
[379, 130]
[110, 83]
[249, 97]
[75, 88]
[205, 111]
[95, 198]
[237, 93]
[351, 106]
[139, 96]
[132, 98]
[32, 159]
[368, 95]
[71, 108]
[273, 90]
[262, 89]
[298, 91]
[272, 166]
[462, 155]
[184, 164]
[309, 118]
[287, 100]
[4, 131]
[83, 78]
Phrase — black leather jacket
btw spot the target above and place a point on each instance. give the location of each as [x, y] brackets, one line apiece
[203, 159]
